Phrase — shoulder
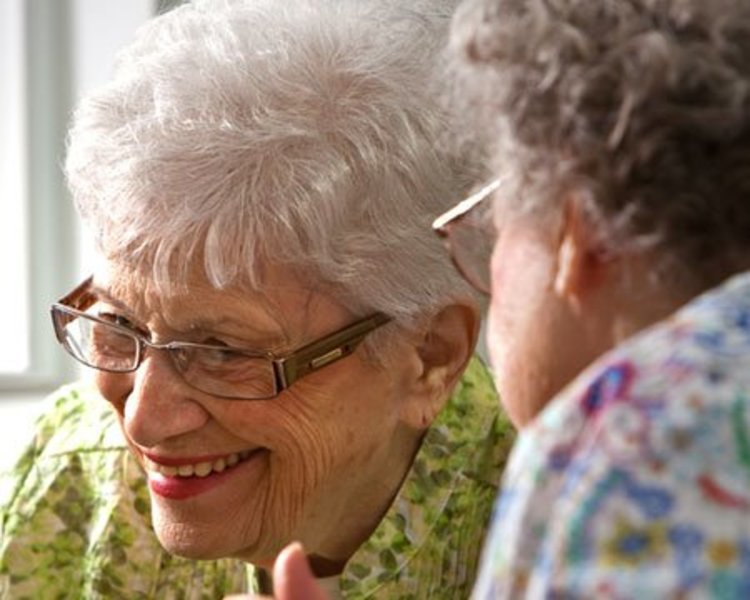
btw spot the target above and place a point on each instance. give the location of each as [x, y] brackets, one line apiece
[640, 470]
[64, 480]
[696, 360]
[76, 417]
[74, 422]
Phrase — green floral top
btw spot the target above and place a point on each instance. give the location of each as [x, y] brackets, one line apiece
[74, 512]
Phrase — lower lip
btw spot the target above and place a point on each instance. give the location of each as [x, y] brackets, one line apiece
[181, 488]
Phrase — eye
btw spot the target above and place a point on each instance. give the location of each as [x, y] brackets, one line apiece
[122, 321]
[115, 318]
[219, 355]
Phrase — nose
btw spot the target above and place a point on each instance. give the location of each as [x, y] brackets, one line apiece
[160, 405]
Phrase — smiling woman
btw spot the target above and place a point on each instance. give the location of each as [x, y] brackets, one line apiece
[280, 350]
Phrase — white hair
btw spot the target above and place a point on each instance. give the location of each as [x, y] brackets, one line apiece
[641, 109]
[303, 133]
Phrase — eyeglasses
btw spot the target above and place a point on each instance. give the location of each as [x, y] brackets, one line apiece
[469, 235]
[101, 342]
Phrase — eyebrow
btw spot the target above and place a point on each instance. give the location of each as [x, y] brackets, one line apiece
[261, 338]
[103, 294]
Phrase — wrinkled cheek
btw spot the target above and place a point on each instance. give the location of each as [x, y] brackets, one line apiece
[298, 471]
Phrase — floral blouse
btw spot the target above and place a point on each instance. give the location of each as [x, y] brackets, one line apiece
[635, 481]
[75, 514]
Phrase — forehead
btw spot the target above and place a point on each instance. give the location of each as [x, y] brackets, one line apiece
[284, 309]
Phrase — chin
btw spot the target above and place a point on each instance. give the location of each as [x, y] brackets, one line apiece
[182, 540]
[188, 547]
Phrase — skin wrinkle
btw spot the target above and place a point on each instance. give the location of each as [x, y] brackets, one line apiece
[198, 330]
[268, 329]
[324, 457]
[316, 464]
[308, 438]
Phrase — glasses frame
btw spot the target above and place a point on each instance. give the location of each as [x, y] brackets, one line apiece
[286, 369]
[446, 223]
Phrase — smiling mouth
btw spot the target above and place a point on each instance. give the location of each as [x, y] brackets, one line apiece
[200, 469]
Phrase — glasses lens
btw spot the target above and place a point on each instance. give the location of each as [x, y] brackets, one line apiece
[97, 344]
[225, 373]
[472, 241]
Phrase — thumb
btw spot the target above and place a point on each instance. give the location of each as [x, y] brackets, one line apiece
[292, 577]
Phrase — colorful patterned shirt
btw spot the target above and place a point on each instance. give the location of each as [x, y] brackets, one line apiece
[635, 481]
[74, 512]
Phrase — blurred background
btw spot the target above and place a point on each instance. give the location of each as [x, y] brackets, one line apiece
[51, 51]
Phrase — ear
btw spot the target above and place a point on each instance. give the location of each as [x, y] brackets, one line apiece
[441, 353]
[582, 263]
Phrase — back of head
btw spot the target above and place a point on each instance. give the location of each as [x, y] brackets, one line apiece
[640, 107]
[302, 133]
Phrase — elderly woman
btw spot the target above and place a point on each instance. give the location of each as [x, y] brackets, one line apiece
[273, 324]
[619, 325]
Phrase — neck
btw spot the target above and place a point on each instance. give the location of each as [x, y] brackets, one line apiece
[638, 302]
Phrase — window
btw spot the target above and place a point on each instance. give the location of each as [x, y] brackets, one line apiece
[36, 232]
[15, 354]
[50, 53]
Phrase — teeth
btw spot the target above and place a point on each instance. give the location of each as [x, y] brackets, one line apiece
[185, 470]
[202, 469]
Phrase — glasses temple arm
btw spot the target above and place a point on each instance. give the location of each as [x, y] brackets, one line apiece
[323, 352]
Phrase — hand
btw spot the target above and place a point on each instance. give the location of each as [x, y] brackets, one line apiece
[292, 578]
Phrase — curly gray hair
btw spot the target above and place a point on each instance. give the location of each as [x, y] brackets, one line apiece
[641, 107]
[302, 132]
